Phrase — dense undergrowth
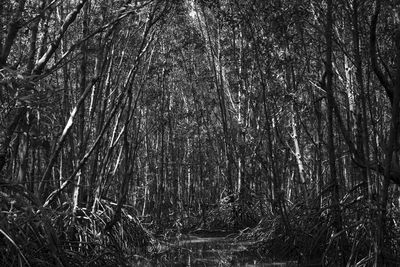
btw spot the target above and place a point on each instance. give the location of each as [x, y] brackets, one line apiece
[303, 232]
[31, 236]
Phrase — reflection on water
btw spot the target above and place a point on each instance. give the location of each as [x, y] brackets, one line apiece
[212, 251]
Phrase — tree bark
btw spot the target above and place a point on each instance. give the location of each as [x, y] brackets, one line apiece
[336, 213]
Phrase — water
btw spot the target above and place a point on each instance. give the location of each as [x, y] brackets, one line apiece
[197, 251]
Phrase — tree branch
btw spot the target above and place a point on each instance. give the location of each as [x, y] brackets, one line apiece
[64, 134]
[12, 32]
[41, 63]
[373, 53]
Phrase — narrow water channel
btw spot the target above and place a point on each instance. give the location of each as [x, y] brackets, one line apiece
[212, 251]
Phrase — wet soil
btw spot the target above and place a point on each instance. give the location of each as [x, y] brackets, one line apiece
[215, 249]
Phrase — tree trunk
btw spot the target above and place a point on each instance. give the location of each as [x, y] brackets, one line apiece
[336, 213]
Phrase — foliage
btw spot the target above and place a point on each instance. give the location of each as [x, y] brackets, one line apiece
[48, 237]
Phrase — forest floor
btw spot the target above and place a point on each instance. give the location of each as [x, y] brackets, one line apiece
[211, 249]
[216, 237]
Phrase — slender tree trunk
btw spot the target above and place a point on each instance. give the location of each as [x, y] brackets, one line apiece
[336, 213]
[297, 153]
[363, 96]
[81, 124]
[391, 155]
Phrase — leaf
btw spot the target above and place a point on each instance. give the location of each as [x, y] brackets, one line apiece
[15, 245]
